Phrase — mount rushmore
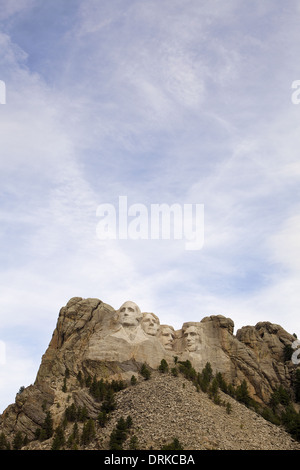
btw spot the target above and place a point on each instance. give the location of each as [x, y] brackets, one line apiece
[94, 337]
[93, 341]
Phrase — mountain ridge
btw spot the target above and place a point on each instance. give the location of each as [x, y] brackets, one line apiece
[97, 342]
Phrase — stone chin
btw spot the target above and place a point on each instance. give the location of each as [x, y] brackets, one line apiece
[152, 331]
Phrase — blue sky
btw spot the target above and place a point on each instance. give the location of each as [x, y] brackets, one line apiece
[164, 102]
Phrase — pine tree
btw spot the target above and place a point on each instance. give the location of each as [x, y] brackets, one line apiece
[213, 392]
[231, 390]
[109, 404]
[103, 417]
[94, 390]
[221, 382]
[59, 439]
[174, 445]
[75, 431]
[133, 444]
[228, 408]
[118, 435]
[242, 393]
[47, 429]
[71, 413]
[114, 442]
[163, 367]
[80, 379]
[73, 438]
[279, 396]
[18, 441]
[88, 432]
[207, 372]
[133, 380]
[145, 372]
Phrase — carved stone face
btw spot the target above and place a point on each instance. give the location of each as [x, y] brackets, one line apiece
[167, 336]
[150, 324]
[191, 338]
[129, 314]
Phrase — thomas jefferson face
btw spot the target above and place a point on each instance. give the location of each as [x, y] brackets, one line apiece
[150, 324]
[167, 336]
[129, 314]
[191, 337]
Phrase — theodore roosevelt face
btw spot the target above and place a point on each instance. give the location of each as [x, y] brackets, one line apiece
[167, 336]
[150, 324]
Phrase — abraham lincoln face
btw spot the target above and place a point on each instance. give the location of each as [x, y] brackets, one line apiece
[191, 338]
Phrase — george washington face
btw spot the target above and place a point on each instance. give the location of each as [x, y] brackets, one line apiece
[129, 314]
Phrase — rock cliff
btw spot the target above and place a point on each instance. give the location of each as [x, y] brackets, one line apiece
[93, 339]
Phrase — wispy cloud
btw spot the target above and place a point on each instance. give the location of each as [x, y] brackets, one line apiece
[14, 7]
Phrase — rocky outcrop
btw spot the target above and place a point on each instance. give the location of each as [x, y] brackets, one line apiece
[167, 407]
[94, 339]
